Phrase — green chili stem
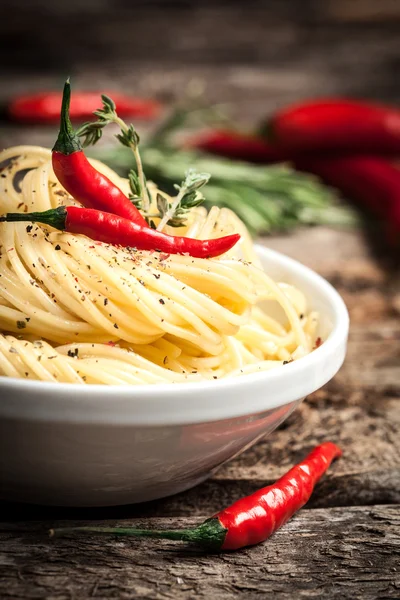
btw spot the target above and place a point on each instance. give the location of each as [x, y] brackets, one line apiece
[55, 217]
[210, 534]
[67, 142]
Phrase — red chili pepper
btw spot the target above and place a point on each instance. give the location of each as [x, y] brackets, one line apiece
[112, 229]
[336, 125]
[236, 145]
[44, 107]
[371, 181]
[250, 520]
[80, 178]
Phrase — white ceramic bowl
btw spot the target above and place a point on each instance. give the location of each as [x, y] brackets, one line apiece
[72, 445]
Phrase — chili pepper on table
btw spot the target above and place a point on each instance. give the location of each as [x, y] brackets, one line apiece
[335, 125]
[250, 520]
[44, 107]
[371, 181]
[112, 229]
[80, 178]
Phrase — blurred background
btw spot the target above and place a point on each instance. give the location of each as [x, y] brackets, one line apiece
[258, 54]
[250, 58]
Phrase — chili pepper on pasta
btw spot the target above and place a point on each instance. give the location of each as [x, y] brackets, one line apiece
[112, 229]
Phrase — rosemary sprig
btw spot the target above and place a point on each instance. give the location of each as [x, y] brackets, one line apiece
[182, 118]
[268, 199]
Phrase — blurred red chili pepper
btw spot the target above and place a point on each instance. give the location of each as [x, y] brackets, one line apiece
[335, 125]
[371, 181]
[236, 145]
[44, 107]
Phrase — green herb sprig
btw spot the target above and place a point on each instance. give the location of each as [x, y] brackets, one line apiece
[91, 133]
[268, 199]
[172, 213]
[189, 196]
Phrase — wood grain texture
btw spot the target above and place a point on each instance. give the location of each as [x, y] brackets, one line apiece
[345, 543]
[329, 553]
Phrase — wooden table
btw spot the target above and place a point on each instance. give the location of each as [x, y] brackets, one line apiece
[345, 542]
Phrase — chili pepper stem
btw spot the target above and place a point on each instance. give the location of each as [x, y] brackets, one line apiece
[139, 165]
[55, 217]
[210, 534]
[67, 142]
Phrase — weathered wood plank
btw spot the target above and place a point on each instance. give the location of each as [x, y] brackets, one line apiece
[336, 553]
[369, 437]
[281, 54]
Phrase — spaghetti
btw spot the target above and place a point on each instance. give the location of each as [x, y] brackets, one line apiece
[79, 311]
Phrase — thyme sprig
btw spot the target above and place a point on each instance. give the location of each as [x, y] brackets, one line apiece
[91, 133]
[172, 213]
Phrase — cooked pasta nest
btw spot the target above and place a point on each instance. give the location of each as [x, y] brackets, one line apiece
[79, 311]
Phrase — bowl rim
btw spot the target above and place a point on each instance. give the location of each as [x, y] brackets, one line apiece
[72, 402]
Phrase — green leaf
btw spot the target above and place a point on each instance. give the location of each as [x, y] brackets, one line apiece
[162, 204]
[129, 138]
[194, 180]
[176, 222]
[134, 183]
[108, 104]
[91, 133]
[268, 198]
